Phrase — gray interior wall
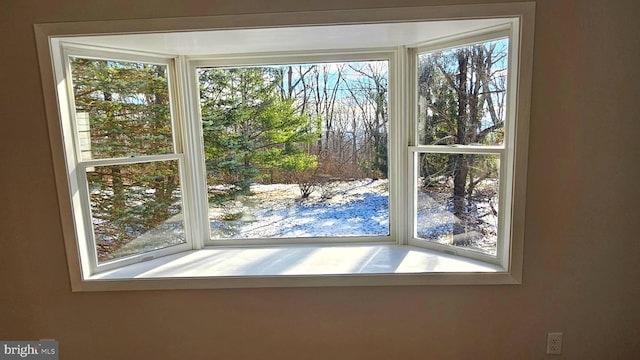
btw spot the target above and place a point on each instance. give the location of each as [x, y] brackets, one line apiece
[581, 249]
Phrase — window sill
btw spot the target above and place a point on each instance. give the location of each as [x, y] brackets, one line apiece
[298, 266]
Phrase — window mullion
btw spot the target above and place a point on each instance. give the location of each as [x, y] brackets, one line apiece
[405, 135]
[195, 175]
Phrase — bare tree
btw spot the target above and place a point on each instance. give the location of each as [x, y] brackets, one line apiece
[463, 93]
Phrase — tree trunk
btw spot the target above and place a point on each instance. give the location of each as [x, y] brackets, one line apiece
[460, 168]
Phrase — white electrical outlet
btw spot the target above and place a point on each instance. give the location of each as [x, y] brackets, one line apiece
[554, 343]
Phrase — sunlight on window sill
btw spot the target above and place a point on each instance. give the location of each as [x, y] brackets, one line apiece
[298, 260]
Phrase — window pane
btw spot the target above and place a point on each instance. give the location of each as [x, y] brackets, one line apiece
[462, 95]
[296, 150]
[458, 200]
[135, 208]
[122, 108]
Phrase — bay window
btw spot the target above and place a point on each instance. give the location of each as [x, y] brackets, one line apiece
[363, 153]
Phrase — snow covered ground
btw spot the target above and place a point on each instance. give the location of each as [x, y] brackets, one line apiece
[344, 208]
[355, 208]
[436, 222]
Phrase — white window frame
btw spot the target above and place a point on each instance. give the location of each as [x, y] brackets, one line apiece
[185, 106]
[389, 55]
[76, 166]
[506, 151]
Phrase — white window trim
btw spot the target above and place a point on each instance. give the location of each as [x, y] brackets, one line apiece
[80, 271]
[506, 151]
[76, 167]
[389, 55]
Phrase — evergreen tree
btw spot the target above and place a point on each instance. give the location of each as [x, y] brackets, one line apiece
[127, 105]
[250, 132]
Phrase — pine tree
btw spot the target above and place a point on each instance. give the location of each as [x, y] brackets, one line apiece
[128, 109]
[249, 130]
